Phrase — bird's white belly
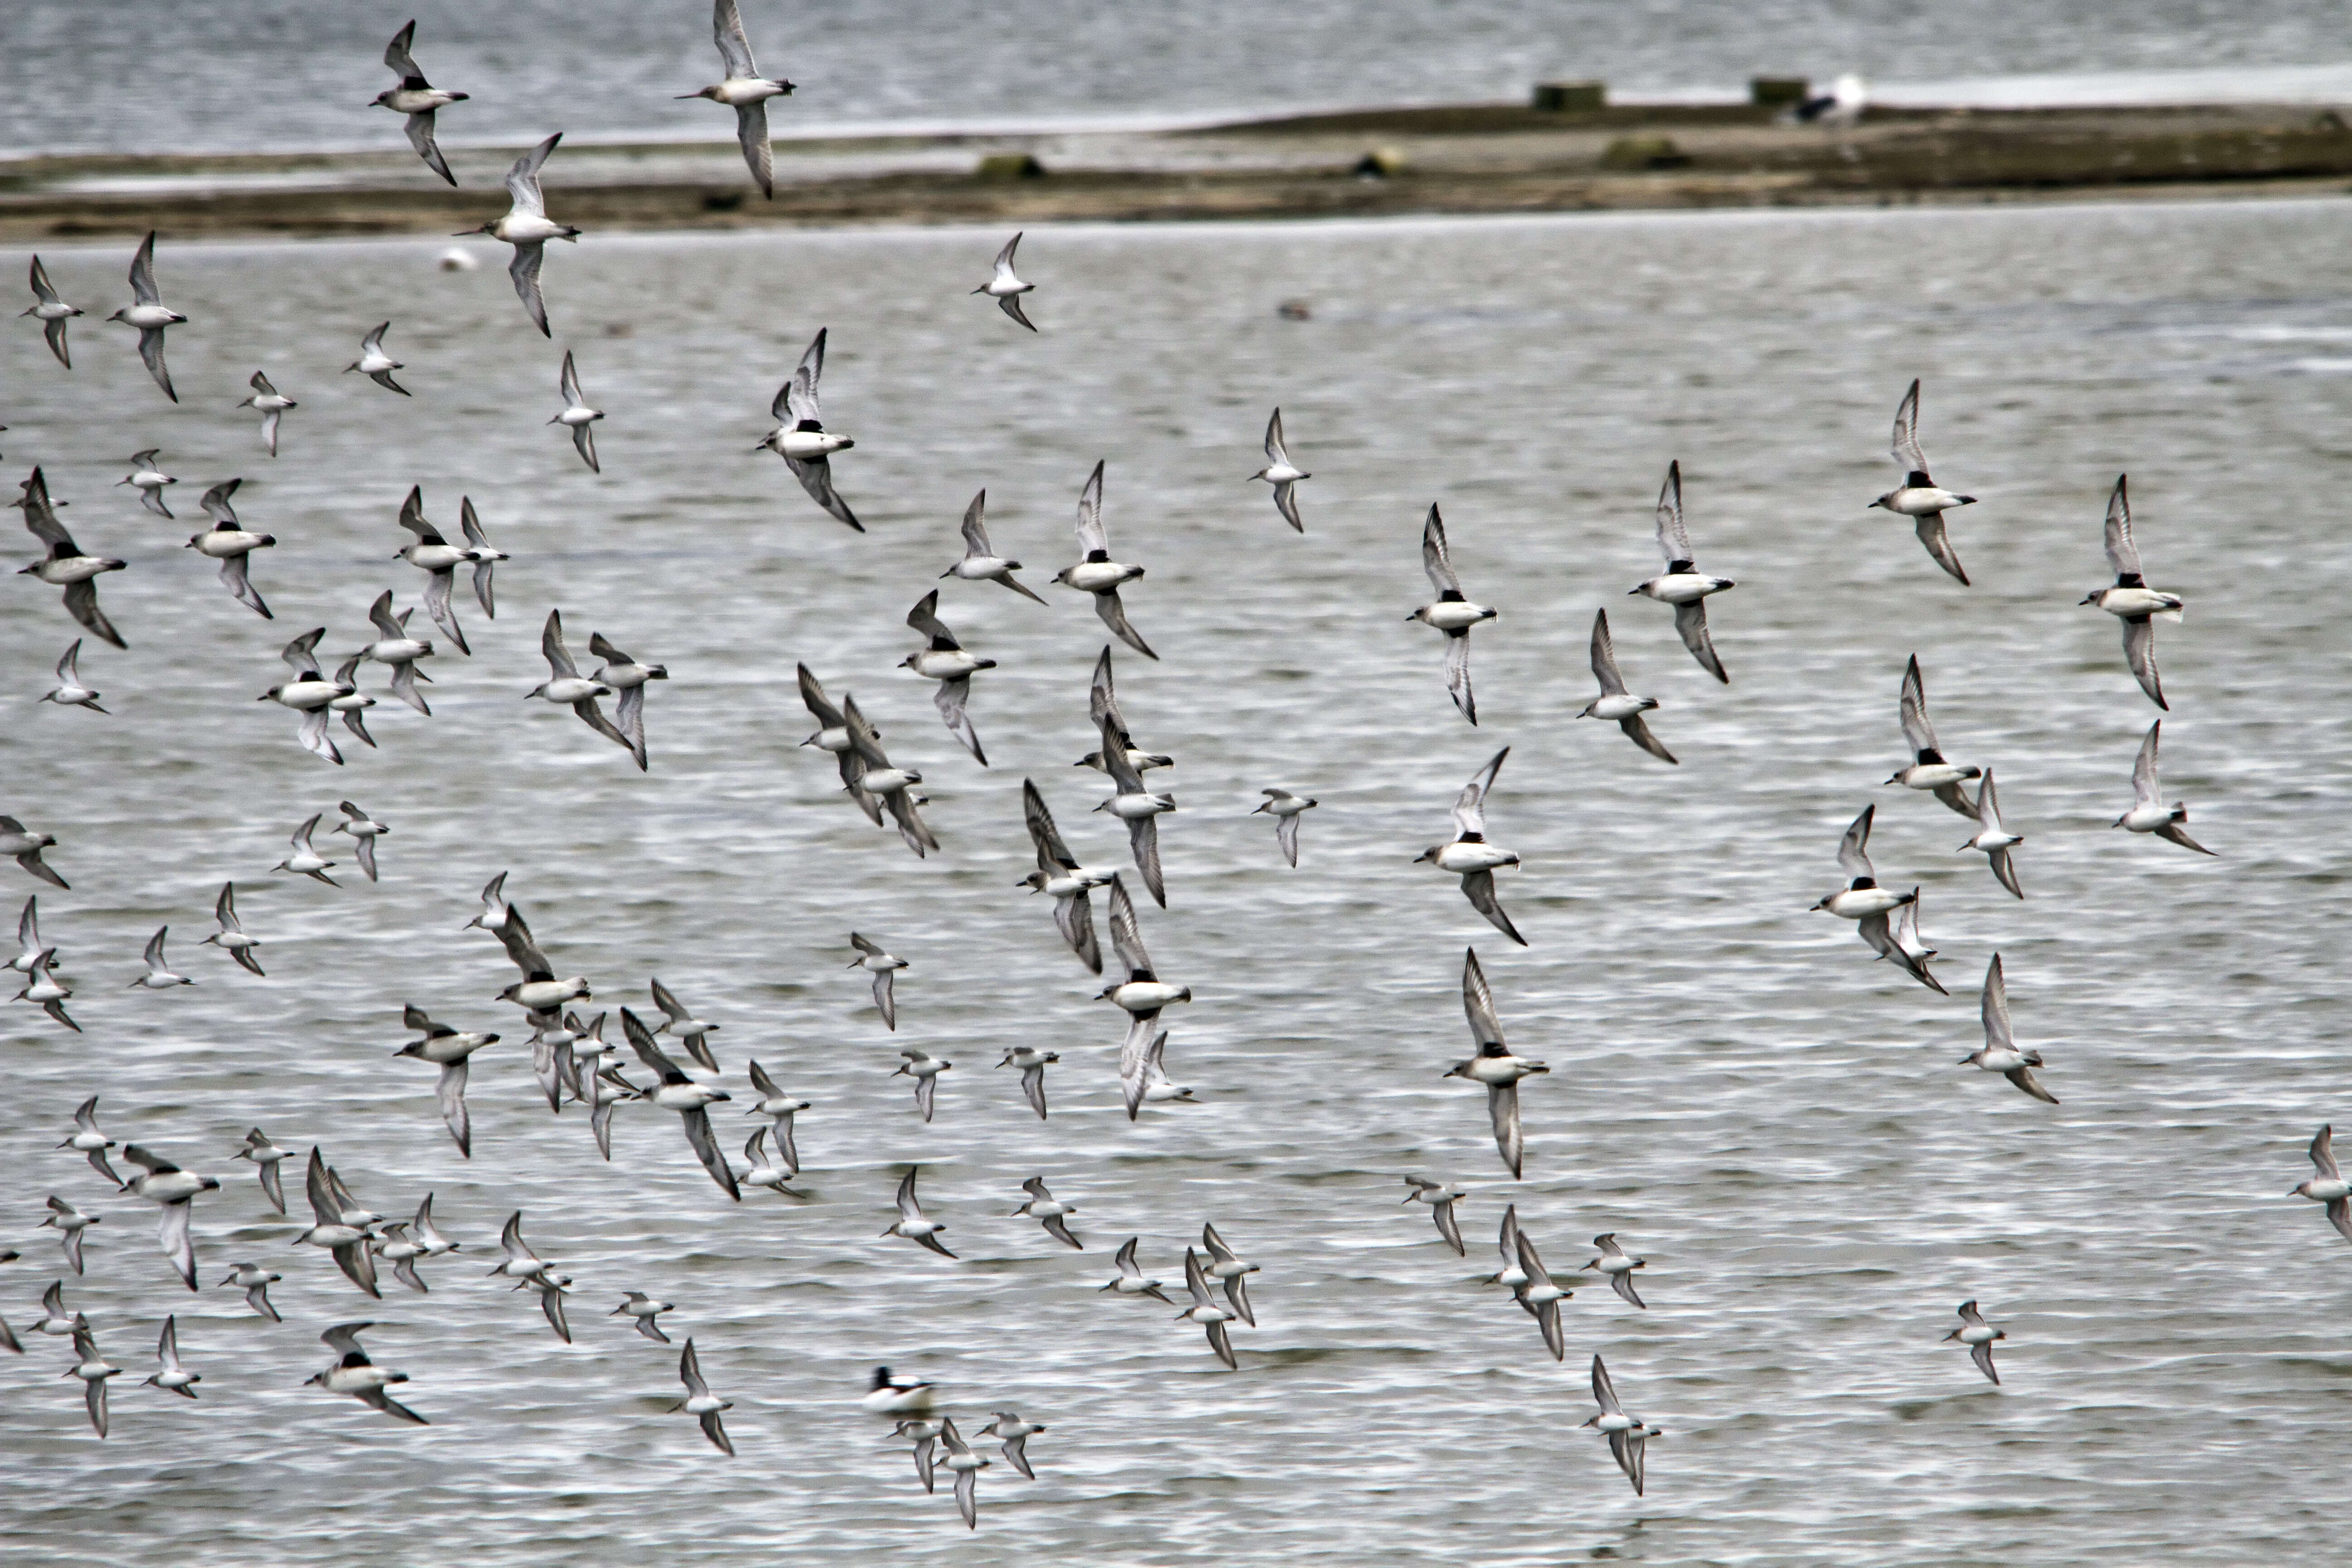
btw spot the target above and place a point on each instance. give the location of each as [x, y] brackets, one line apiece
[1464, 858]
[1096, 576]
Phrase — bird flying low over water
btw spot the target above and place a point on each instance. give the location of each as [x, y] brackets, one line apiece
[577, 416]
[1096, 573]
[1995, 840]
[149, 314]
[628, 677]
[945, 661]
[1042, 1206]
[1006, 288]
[52, 311]
[344, 1237]
[271, 404]
[690, 1099]
[70, 692]
[913, 1223]
[1494, 1066]
[416, 99]
[1102, 706]
[981, 563]
[1142, 994]
[1059, 875]
[1205, 1311]
[1451, 614]
[376, 364]
[1862, 897]
[1919, 497]
[1617, 1266]
[1286, 809]
[1999, 1053]
[2131, 600]
[149, 480]
[1441, 1199]
[883, 966]
[566, 688]
[66, 566]
[448, 1049]
[700, 1402]
[439, 560]
[1683, 586]
[2326, 1185]
[175, 1189]
[1895, 936]
[1628, 1435]
[1282, 473]
[746, 92]
[2148, 813]
[1978, 1336]
[91, 1142]
[1928, 769]
[1136, 805]
[800, 437]
[891, 787]
[1615, 702]
[231, 543]
[354, 1374]
[1470, 856]
[525, 227]
[1538, 1295]
[231, 939]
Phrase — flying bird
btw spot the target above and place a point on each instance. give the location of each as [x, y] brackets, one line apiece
[1929, 770]
[1006, 288]
[1862, 897]
[913, 1223]
[91, 1142]
[2000, 1052]
[308, 693]
[1012, 1435]
[417, 100]
[229, 543]
[525, 227]
[70, 692]
[747, 92]
[172, 1377]
[1282, 473]
[1132, 1280]
[884, 967]
[945, 661]
[25, 847]
[1232, 1271]
[1059, 875]
[344, 1239]
[1096, 573]
[1285, 808]
[889, 787]
[1205, 1311]
[1978, 1336]
[66, 566]
[690, 1099]
[967, 1467]
[353, 1374]
[307, 861]
[700, 1402]
[271, 404]
[1919, 497]
[149, 480]
[577, 416]
[149, 314]
[69, 1224]
[1538, 1295]
[2326, 1185]
[160, 975]
[1628, 1435]
[1441, 1199]
[644, 1312]
[375, 364]
[1046, 1210]
[2131, 600]
[566, 688]
[1613, 1262]
[981, 563]
[1451, 614]
[439, 560]
[626, 675]
[265, 1157]
[2148, 813]
[167, 1184]
[1494, 1066]
[231, 939]
[679, 1022]
[1142, 994]
[1991, 837]
[1615, 702]
[925, 1069]
[1135, 804]
[1470, 856]
[448, 1049]
[800, 437]
[93, 1370]
[1682, 584]
[52, 311]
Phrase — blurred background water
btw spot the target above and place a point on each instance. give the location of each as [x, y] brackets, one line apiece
[177, 76]
[1773, 1120]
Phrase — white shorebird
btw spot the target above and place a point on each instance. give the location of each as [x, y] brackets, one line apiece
[967, 1466]
[376, 364]
[1862, 897]
[1991, 837]
[1928, 770]
[1059, 875]
[1614, 1263]
[1978, 1336]
[309, 694]
[883, 966]
[1451, 614]
[417, 100]
[945, 661]
[149, 314]
[446, 1048]
[890, 787]
[1012, 1434]
[915, 1225]
[66, 566]
[265, 1157]
[1682, 585]
[167, 1184]
[25, 847]
[1615, 704]
[1033, 1064]
[1895, 936]
[394, 647]
[700, 1402]
[1135, 804]
[1096, 573]
[1628, 1435]
[1919, 497]
[1046, 1210]
[800, 437]
[1286, 809]
[93, 1369]
[160, 975]
[1999, 1053]
[566, 688]
[1441, 1197]
[626, 675]
[1142, 994]
[1507, 1244]
[643, 1313]
[354, 1374]
[679, 1022]
[1205, 1311]
[89, 1141]
[1132, 1280]
[172, 1377]
[364, 831]
[439, 560]
[745, 91]
[52, 311]
[1494, 1066]
[345, 1238]
[2326, 1185]
[1004, 288]
[1230, 1270]
[271, 404]
[1102, 706]
[577, 416]
[765, 1171]
[307, 861]
[2131, 600]
[832, 738]
[981, 563]
[690, 1099]
[925, 1069]
[2148, 813]
[1468, 855]
[231, 543]
[1282, 473]
[1536, 1292]
[255, 1281]
[70, 692]
[148, 481]
[780, 1108]
[232, 939]
[1158, 1088]
[526, 228]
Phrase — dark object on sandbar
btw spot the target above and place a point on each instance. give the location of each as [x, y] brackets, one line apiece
[1010, 166]
[1570, 97]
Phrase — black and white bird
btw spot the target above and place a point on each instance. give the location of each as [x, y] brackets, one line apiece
[1895, 935]
[1059, 875]
[233, 940]
[1615, 704]
[1282, 473]
[149, 480]
[981, 563]
[1928, 770]
[883, 966]
[800, 437]
[780, 1108]
[628, 677]
[1012, 1434]
[66, 566]
[1470, 856]
[1005, 288]
[355, 1374]
[1048, 1211]
[1450, 613]
[148, 313]
[690, 1099]
[1441, 1197]
[1102, 707]
[914, 1224]
[439, 560]
[525, 225]
[1682, 584]
[69, 1223]
[1999, 1053]
[1978, 1336]
[1494, 1066]
[50, 309]
[171, 1375]
[1613, 1263]
[271, 404]
[2325, 1184]
[1096, 573]
[93, 1369]
[679, 1024]
[231, 543]
[310, 693]
[966, 1467]
[1230, 1270]
[255, 1281]
[90, 1141]
[265, 1157]
[889, 787]
[307, 861]
[24, 846]
[1862, 897]
[1539, 1294]
[1206, 1311]
[1142, 994]
[1995, 840]
[1628, 1435]
[416, 99]
[1130, 1279]
[174, 1190]
[643, 1313]
[449, 1049]
[1137, 804]
[567, 688]
[700, 1402]
[577, 416]
[335, 1226]
[746, 92]
[1285, 808]
[945, 661]
[160, 975]
[2131, 600]
[1919, 497]
[925, 1069]
[2148, 813]
[69, 691]
[374, 362]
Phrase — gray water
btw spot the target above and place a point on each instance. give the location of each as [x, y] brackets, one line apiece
[163, 75]
[1770, 1117]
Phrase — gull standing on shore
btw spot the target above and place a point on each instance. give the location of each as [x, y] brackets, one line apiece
[1682, 585]
[1451, 614]
[526, 228]
[1919, 497]
[416, 99]
[747, 92]
[149, 314]
[800, 437]
[1004, 288]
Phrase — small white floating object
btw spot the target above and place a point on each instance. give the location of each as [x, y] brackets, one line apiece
[456, 258]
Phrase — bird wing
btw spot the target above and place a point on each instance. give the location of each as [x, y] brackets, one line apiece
[1604, 1392]
[2323, 1152]
[1470, 806]
[1052, 853]
[41, 517]
[705, 1144]
[179, 1244]
[142, 272]
[1479, 1004]
[1075, 917]
[316, 1188]
[2139, 650]
[1113, 615]
[641, 1039]
[1982, 1355]
[911, 827]
[800, 393]
[1457, 673]
[1905, 445]
[1690, 621]
[975, 528]
[1032, 1088]
[886, 1001]
[550, 646]
[1126, 935]
[2145, 789]
[395, 55]
[1286, 837]
[1854, 849]
[908, 1207]
[1434, 560]
[42, 289]
[1276, 453]
[752, 134]
[1917, 732]
[240, 587]
[1989, 804]
[1003, 264]
[1638, 732]
[1674, 538]
[727, 31]
[1093, 537]
[1447, 1226]
[1143, 841]
[815, 475]
[1604, 657]
[2122, 554]
[1503, 1110]
[522, 180]
[451, 1092]
[216, 502]
[1478, 887]
[514, 934]
[1933, 536]
[524, 270]
[924, 618]
[81, 603]
[1996, 1006]
[420, 137]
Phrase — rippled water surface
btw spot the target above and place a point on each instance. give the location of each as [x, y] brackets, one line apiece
[1775, 1121]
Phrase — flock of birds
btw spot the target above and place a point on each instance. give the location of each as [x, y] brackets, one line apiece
[575, 1066]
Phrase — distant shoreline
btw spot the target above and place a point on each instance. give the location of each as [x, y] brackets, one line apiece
[1461, 159]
